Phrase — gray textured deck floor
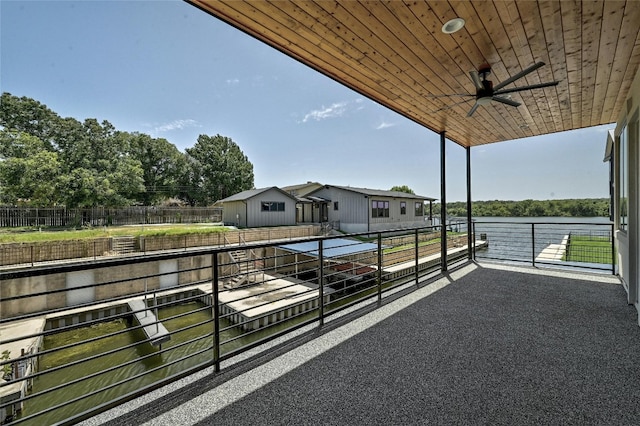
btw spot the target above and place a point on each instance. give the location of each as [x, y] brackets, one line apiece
[487, 345]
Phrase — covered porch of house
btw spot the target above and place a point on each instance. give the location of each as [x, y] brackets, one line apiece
[312, 209]
[478, 342]
[482, 344]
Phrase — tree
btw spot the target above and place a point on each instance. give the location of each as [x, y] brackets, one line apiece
[163, 166]
[190, 181]
[29, 116]
[97, 167]
[49, 160]
[225, 170]
[28, 171]
[403, 188]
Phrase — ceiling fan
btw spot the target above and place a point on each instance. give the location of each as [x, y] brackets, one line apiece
[486, 92]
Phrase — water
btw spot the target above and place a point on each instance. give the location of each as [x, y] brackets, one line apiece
[139, 358]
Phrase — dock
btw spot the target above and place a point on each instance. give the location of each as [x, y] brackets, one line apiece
[554, 252]
[269, 302]
[156, 333]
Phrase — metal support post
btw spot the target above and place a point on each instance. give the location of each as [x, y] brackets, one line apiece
[470, 239]
[443, 205]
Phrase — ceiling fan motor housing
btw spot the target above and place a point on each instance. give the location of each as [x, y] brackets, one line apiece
[484, 95]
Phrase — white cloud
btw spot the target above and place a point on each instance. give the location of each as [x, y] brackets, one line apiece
[384, 125]
[335, 110]
[176, 125]
[232, 82]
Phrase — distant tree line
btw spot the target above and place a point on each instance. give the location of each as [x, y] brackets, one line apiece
[590, 207]
[47, 160]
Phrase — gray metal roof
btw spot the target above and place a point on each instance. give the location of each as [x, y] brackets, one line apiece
[250, 193]
[337, 247]
[381, 193]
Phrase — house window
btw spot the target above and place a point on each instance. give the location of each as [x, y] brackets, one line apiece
[335, 205]
[272, 206]
[419, 208]
[379, 208]
[403, 207]
[623, 166]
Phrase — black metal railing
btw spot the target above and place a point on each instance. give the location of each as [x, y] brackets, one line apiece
[76, 343]
[581, 245]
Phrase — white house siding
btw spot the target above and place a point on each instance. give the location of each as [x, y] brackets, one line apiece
[257, 217]
[628, 243]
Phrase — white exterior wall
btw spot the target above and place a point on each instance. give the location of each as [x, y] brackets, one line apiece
[627, 243]
[257, 218]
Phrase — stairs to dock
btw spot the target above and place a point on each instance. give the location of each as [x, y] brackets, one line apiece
[246, 272]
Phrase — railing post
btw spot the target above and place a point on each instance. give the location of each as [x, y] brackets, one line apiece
[216, 312]
[533, 244]
[613, 251]
[417, 256]
[473, 239]
[321, 285]
[379, 268]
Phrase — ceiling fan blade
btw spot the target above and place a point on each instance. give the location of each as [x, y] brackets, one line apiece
[505, 101]
[476, 79]
[519, 75]
[533, 86]
[473, 109]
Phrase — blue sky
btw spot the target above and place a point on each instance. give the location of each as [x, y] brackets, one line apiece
[169, 70]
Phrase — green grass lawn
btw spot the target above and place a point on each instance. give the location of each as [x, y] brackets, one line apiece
[591, 249]
[408, 246]
[32, 236]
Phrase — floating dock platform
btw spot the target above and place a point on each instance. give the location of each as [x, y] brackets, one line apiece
[259, 305]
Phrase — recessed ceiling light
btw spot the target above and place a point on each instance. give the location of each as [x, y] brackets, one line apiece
[453, 25]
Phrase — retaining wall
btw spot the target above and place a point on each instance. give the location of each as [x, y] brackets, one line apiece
[30, 253]
[66, 290]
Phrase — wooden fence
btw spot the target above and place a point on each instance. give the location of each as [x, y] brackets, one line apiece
[15, 217]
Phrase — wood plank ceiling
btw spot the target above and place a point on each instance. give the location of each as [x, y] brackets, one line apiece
[395, 53]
